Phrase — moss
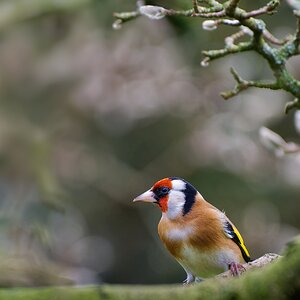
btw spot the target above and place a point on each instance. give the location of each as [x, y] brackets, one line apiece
[280, 280]
[57, 293]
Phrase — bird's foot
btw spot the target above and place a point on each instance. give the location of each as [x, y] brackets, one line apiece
[236, 269]
[189, 279]
[199, 279]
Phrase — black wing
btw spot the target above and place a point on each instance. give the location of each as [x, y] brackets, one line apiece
[234, 234]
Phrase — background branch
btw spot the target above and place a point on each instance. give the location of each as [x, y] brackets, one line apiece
[244, 84]
[260, 40]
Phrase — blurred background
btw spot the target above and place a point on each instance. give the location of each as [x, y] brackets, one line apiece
[90, 117]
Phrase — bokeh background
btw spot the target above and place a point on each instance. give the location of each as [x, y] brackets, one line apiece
[90, 117]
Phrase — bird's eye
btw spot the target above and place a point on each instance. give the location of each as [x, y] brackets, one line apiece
[161, 192]
[164, 190]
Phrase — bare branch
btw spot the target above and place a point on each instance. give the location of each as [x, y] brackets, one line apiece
[268, 9]
[292, 104]
[272, 39]
[241, 47]
[126, 16]
[276, 144]
[260, 41]
[210, 15]
[230, 40]
[244, 84]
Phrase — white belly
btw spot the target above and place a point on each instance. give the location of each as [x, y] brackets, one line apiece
[203, 264]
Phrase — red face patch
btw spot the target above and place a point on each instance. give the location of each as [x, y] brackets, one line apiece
[163, 201]
[164, 182]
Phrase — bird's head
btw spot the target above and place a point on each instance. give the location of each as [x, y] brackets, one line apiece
[173, 195]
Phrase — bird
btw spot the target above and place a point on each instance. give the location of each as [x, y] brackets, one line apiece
[201, 237]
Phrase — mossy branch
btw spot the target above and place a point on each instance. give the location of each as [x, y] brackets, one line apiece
[276, 52]
[276, 280]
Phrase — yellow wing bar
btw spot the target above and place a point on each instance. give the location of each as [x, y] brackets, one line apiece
[232, 232]
[241, 241]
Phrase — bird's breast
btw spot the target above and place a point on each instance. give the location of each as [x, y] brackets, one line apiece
[197, 248]
[179, 234]
[173, 235]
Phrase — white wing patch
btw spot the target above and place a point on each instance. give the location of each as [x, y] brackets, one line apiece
[227, 231]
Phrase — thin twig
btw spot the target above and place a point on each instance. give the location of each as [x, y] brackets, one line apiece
[210, 15]
[245, 84]
[271, 38]
[230, 40]
[292, 104]
[267, 9]
[241, 47]
[126, 16]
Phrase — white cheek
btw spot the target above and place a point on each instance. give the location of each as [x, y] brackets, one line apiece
[175, 204]
[178, 185]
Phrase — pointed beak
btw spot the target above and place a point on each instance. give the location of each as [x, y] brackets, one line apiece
[146, 197]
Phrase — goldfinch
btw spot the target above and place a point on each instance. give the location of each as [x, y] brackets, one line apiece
[200, 237]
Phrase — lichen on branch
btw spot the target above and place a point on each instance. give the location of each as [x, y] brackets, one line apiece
[276, 52]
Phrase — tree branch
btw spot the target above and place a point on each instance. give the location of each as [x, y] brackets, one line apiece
[268, 9]
[244, 84]
[277, 279]
[231, 7]
[292, 105]
[256, 264]
[215, 54]
[229, 13]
